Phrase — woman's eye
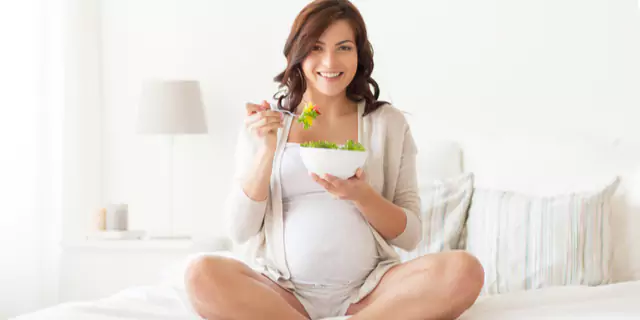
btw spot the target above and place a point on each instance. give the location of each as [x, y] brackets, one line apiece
[317, 48]
[345, 48]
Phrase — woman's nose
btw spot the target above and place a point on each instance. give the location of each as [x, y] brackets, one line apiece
[328, 58]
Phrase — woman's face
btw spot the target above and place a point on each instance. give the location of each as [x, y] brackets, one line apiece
[333, 61]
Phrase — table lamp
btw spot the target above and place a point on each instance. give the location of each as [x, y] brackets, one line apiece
[171, 108]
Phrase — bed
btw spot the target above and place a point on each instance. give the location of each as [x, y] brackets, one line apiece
[615, 301]
[540, 166]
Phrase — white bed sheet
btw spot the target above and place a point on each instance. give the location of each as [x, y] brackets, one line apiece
[617, 301]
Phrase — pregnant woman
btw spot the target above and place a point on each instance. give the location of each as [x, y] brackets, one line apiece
[323, 246]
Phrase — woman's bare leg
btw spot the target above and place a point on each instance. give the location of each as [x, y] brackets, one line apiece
[435, 286]
[224, 288]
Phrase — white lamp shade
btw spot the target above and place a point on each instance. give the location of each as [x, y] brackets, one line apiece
[171, 107]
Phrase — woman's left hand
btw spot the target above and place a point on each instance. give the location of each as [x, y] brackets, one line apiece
[355, 188]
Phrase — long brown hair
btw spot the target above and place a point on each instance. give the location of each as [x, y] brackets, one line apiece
[307, 28]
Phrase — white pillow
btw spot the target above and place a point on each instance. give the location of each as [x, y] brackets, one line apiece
[444, 205]
[526, 242]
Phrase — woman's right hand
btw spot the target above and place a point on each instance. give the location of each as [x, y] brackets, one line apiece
[263, 123]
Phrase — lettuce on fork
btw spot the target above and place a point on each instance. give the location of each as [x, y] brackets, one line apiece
[309, 113]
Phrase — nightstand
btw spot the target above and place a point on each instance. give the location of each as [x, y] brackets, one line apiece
[94, 269]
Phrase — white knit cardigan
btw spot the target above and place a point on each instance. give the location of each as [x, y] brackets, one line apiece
[390, 169]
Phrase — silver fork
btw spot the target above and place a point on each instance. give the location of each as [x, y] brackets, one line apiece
[289, 113]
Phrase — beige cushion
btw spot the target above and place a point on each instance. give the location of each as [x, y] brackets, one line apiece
[444, 205]
[526, 242]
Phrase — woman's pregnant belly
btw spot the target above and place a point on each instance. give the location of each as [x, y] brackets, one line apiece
[327, 241]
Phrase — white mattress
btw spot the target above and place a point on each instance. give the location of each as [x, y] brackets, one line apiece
[618, 301]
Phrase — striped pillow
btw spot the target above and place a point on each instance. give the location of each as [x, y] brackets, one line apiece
[528, 242]
[444, 205]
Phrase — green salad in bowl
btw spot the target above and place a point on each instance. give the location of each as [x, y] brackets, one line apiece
[342, 161]
[350, 145]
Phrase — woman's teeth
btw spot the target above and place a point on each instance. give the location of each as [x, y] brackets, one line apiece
[330, 74]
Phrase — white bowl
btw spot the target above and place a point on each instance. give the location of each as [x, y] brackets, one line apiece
[339, 163]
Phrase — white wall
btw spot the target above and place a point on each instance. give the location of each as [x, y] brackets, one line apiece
[543, 67]
[42, 61]
[82, 117]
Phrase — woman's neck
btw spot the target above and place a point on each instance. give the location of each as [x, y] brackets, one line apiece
[330, 107]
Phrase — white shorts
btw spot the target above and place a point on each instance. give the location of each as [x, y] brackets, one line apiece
[325, 301]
